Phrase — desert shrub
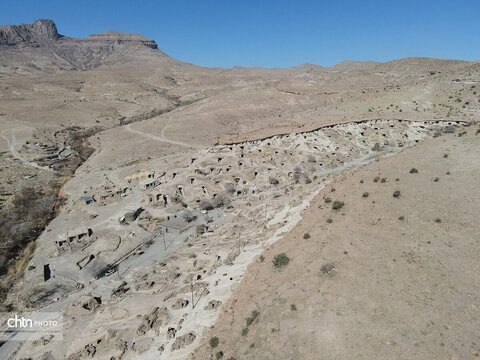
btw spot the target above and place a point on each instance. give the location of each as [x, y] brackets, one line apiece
[219, 355]
[280, 260]
[445, 156]
[327, 268]
[213, 342]
[337, 205]
[328, 200]
[437, 179]
[329, 220]
[366, 194]
[306, 236]
[293, 307]
[245, 331]
[401, 218]
[396, 193]
[311, 159]
[376, 179]
[383, 181]
[262, 258]
[308, 181]
[253, 316]
[361, 181]
[413, 171]
[438, 220]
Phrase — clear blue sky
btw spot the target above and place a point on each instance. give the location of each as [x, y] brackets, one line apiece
[279, 33]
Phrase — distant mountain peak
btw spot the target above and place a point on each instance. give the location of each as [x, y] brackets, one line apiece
[46, 28]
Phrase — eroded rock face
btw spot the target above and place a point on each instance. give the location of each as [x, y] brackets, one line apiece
[183, 341]
[29, 34]
[153, 320]
[46, 50]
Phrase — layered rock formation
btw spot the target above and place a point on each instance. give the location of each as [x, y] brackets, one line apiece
[38, 47]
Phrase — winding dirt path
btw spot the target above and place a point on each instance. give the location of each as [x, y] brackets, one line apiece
[161, 138]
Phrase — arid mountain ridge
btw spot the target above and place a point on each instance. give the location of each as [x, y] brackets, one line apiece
[39, 47]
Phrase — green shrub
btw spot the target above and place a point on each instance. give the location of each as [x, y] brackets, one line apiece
[328, 200]
[438, 220]
[245, 331]
[361, 181]
[262, 258]
[280, 260]
[293, 307]
[445, 156]
[396, 193]
[401, 218]
[306, 236]
[329, 220]
[437, 179]
[413, 171]
[253, 316]
[376, 179]
[383, 181]
[366, 194]
[213, 342]
[337, 205]
[219, 355]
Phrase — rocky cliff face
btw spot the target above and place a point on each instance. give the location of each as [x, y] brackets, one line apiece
[29, 34]
[39, 47]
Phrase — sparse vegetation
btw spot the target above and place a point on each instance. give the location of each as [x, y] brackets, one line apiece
[396, 193]
[293, 307]
[306, 236]
[438, 220]
[327, 268]
[376, 179]
[329, 220]
[384, 180]
[328, 200]
[253, 317]
[213, 342]
[401, 218]
[437, 179]
[366, 194]
[281, 260]
[337, 205]
[413, 171]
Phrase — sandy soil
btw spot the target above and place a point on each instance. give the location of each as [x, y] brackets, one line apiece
[396, 289]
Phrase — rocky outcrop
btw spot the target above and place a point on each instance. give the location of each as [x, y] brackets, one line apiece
[29, 34]
[39, 47]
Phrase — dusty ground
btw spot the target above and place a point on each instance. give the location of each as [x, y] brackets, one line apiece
[397, 289]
